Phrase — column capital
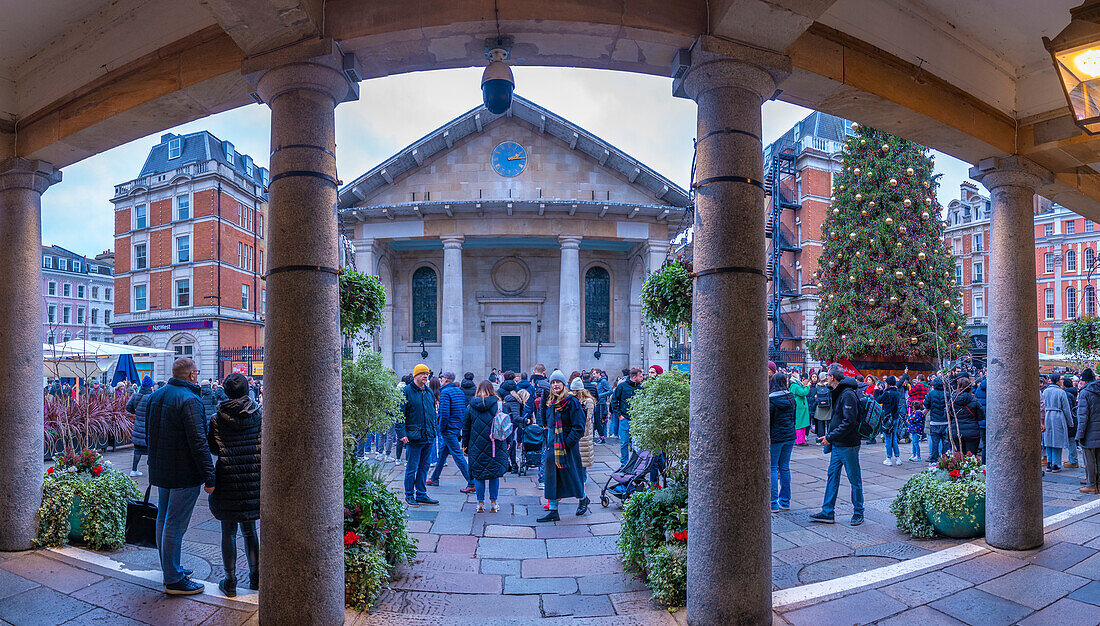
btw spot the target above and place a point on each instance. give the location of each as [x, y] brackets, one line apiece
[1010, 171]
[570, 242]
[712, 62]
[20, 173]
[313, 65]
[452, 242]
[658, 245]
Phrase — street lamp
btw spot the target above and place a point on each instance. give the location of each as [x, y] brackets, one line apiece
[1076, 55]
[597, 353]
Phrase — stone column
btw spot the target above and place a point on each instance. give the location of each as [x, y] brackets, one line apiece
[21, 185]
[729, 580]
[656, 346]
[452, 331]
[364, 262]
[1014, 487]
[301, 554]
[569, 305]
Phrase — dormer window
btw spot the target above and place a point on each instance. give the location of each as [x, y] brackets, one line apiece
[175, 147]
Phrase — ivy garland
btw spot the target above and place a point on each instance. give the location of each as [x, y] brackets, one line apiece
[666, 299]
[101, 497]
[362, 300]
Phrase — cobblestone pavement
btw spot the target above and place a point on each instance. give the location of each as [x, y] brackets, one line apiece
[507, 568]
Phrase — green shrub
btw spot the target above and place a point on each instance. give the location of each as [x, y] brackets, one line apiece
[365, 575]
[102, 492]
[667, 572]
[659, 418]
[649, 518]
[371, 399]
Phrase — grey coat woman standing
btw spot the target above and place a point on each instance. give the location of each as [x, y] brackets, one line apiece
[1059, 420]
[562, 460]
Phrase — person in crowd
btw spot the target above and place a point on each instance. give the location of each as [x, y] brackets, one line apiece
[138, 406]
[209, 402]
[562, 460]
[179, 465]
[603, 393]
[452, 410]
[620, 410]
[1058, 419]
[436, 446]
[417, 429]
[801, 411]
[467, 386]
[540, 387]
[915, 425]
[514, 404]
[493, 378]
[936, 404]
[1069, 383]
[893, 413]
[588, 404]
[488, 457]
[842, 444]
[823, 406]
[783, 409]
[966, 412]
[772, 369]
[980, 395]
[589, 382]
[918, 390]
[1088, 430]
[234, 437]
[655, 371]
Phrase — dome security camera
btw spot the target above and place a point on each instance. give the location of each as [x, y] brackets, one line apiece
[497, 83]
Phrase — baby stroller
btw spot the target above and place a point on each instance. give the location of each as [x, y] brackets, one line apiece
[533, 438]
[631, 477]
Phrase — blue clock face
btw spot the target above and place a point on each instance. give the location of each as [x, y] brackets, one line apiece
[509, 159]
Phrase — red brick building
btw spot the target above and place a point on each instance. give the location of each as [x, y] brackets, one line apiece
[189, 257]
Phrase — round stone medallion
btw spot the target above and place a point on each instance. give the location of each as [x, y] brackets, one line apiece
[510, 276]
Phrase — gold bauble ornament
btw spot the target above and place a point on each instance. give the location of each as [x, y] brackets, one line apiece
[899, 274]
[912, 340]
[836, 211]
[859, 197]
[920, 283]
[871, 300]
[844, 336]
[893, 182]
[871, 204]
[820, 285]
[907, 202]
[924, 215]
[863, 142]
[922, 256]
[913, 319]
[947, 303]
[863, 212]
[857, 171]
[889, 220]
[924, 244]
[832, 233]
[899, 244]
[842, 187]
[871, 341]
[839, 255]
[814, 275]
[831, 296]
[885, 147]
[878, 270]
[909, 171]
[903, 229]
[913, 274]
[858, 253]
[851, 279]
[832, 263]
[855, 126]
[893, 299]
[952, 282]
[852, 236]
[927, 184]
[928, 201]
[872, 240]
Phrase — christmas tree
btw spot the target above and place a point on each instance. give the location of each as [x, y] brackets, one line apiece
[885, 276]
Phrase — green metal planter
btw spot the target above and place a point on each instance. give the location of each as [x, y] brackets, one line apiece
[969, 523]
[76, 521]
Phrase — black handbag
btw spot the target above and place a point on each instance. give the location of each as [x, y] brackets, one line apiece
[141, 522]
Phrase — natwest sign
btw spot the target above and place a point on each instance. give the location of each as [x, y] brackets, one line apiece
[148, 328]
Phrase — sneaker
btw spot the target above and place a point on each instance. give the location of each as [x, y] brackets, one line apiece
[1071, 466]
[1088, 490]
[135, 473]
[468, 489]
[857, 520]
[494, 508]
[1055, 469]
[914, 459]
[888, 461]
[411, 502]
[185, 587]
[228, 587]
[426, 500]
[821, 518]
[898, 461]
[784, 507]
[480, 507]
[432, 483]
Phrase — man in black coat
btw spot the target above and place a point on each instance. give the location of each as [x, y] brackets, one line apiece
[1088, 430]
[842, 444]
[179, 464]
[417, 431]
[893, 415]
[620, 410]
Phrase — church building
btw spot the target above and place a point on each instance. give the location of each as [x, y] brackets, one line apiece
[513, 239]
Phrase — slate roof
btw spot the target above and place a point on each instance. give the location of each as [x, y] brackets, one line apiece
[475, 120]
[57, 252]
[197, 148]
[816, 124]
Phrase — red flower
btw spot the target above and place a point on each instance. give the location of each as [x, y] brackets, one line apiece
[96, 471]
[49, 470]
[680, 535]
[983, 472]
[954, 473]
[350, 538]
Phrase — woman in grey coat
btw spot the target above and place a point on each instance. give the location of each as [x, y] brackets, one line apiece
[1059, 419]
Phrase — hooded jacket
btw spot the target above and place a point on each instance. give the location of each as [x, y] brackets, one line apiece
[1088, 415]
[893, 408]
[452, 408]
[179, 455]
[469, 388]
[139, 406]
[477, 431]
[936, 403]
[967, 413]
[235, 439]
[844, 424]
[782, 410]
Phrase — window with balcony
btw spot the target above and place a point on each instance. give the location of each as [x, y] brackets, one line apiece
[1048, 230]
[183, 208]
[1071, 261]
[1048, 262]
[244, 297]
[95, 292]
[957, 245]
[51, 288]
[80, 315]
[95, 316]
[183, 292]
[141, 259]
[67, 290]
[1049, 296]
[978, 242]
[141, 298]
[175, 148]
[141, 216]
[977, 273]
[183, 249]
[1071, 303]
[959, 274]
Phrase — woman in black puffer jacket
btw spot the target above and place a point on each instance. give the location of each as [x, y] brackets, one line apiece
[782, 408]
[965, 412]
[234, 437]
[488, 458]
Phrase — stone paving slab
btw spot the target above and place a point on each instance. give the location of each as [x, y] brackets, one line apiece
[41, 605]
[1060, 556]
[860, 608]
[497, 548]
[978, 608]
[1034, 586]
[921, 615]
[516, 585]
[443, 604]
[49, 572]
[509, 532]
[11, 584]
[926, 588]
[582, 546]
[143, 604]
[1065, 611]
[102, 617]
[448, 582]
[986, 567]
[551, 568]
[577, 606]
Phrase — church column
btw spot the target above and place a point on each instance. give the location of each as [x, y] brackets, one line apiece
[452, 329]
[569, 305]
[22, 183]
[656, 346]
[301, 555]
[729, 431]
[364, 262]
[1014, 486]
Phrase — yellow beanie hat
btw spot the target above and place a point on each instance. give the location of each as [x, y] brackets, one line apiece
[420, 369]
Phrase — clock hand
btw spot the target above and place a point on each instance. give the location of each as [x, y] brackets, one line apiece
[518, 157]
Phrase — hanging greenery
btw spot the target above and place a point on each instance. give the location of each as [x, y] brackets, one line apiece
[666, 299]
[362, 300]
[1081, 338]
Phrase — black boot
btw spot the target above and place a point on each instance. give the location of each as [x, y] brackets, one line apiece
[583, 507]
[228, 587]
[254, 580]
[552, 516]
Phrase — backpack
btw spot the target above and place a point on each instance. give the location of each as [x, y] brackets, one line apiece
[870, 417]
[824, 399]
[502, 427]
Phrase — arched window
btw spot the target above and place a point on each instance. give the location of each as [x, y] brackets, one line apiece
[1090, 258]
[1071, 261]
[1071, 303]
[1090, 301]
[597, 305]
[425, 287]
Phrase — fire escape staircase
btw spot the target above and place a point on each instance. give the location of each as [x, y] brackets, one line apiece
[780, 169]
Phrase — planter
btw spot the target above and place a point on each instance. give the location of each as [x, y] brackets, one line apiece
[967, 524]
[76, 521]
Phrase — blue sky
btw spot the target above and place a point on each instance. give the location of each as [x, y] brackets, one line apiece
[634, 112]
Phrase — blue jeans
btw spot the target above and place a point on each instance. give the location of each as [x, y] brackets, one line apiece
[916, 445]
[494, 488]
[174, 508]
[613, 426]
[937, 446]
[848, 458]
[1072, 447]
[434, 449]
[781, 474]
[416, 468]
[452, 447]
[624, 440]
[1054, 456]
[891, 440]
